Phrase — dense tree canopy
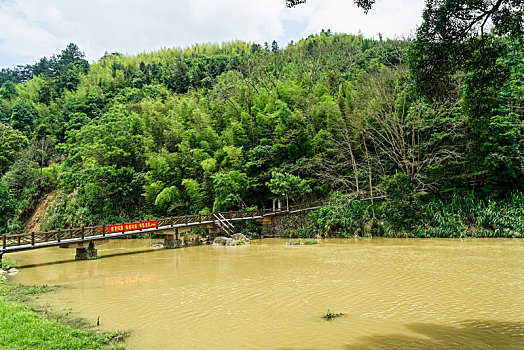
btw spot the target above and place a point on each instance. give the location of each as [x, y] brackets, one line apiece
[223, 127]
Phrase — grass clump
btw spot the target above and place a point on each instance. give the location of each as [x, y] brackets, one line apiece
[7, 263]
[331, 315]
[311, 241]
[20, 293]
[23, 327]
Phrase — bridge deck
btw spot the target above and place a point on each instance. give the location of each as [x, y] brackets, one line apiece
[35, 240]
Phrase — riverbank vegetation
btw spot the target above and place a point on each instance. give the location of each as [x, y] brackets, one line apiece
[458, 215]
[434, 125]
[23, 328]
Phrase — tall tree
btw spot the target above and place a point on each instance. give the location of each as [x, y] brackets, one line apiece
[22, 116]
[11, 142]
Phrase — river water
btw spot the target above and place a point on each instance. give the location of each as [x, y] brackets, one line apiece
[393, 293]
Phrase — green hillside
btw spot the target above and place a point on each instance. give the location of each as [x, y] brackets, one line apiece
[223, 127]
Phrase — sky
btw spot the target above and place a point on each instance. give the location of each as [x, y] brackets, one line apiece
[32, 29]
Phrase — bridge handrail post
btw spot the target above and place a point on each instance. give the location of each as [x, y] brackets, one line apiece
[199, 217]
[58, 235]
[82, 229]
[32, 238]
[103, 230]
[4, 244]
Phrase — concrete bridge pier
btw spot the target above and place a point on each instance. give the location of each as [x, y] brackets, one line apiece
[85, 250]
[213, 231]
[171, 242]
[172, 237]
[88, 253]
[268, 226]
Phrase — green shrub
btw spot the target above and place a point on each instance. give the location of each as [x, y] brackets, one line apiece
[344, 216]
[402, 203]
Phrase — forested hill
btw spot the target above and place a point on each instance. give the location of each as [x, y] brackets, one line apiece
[222, 127]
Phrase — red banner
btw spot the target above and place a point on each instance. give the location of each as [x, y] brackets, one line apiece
[130, 226]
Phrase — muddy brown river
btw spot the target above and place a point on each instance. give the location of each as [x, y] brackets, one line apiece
[393, 293]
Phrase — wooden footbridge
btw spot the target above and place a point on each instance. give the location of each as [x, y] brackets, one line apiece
[84, 239]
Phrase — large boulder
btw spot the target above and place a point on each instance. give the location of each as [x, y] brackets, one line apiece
[158, 244]
[294, 243]
[223, 241]
[236, 239]
[240, 239]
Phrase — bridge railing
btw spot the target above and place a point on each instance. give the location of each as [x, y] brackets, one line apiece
[32, 238]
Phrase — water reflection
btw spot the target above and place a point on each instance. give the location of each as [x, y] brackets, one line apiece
[58, 262]
[474, 335]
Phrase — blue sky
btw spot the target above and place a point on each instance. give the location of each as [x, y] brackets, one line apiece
[30, 30]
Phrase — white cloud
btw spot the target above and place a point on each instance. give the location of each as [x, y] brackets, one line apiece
[391, 18]
[31, 29]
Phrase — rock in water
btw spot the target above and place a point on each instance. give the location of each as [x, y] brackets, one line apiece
[240, 237]
[157, 244]
[2, 272]
[13, 271]
[223, 241]
[236, 239]
[294, 243]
